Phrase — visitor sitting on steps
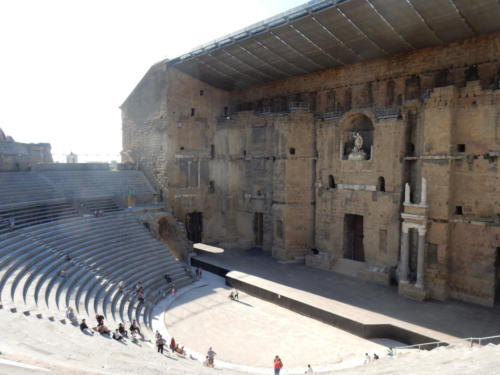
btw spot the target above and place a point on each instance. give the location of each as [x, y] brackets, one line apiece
[85, 328]
[103, 330]
[117, 336]
[180, 350]
[70, 315]
[122, 330]
[100, 320]
[134, 327]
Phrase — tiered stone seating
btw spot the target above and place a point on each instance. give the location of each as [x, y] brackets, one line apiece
[35, 213]
[23, 187]
[106, 204]
[45, 186]
[109, 255]
[98, 183]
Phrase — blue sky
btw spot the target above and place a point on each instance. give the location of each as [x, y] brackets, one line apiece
[66, 65]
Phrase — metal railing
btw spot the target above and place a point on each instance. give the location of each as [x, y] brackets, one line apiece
[297, 106]
[435, 344]
[385, 113]
[333, 115]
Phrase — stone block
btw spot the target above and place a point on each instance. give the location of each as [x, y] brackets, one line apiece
[411, 291]
[322, 261]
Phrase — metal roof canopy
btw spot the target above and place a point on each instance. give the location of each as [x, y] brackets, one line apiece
[323, 34]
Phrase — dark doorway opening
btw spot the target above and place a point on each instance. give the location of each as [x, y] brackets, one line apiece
[353, 238]
[258, 228]
[194, 226]
[497, 275]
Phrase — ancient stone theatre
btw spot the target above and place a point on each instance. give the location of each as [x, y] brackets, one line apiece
[358, 136]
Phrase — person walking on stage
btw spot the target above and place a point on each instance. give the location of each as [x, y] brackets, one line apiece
[277, 365]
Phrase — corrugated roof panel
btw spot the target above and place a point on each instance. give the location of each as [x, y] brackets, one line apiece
[407, 22]
[326, 41]
[240, 52]
[307, 50]
[344, 30]
[284, 54]
[483, 16]
[374, 27]
[194, 68]
[270, 58]
[443, 18]
[236, 66]
[242, 64]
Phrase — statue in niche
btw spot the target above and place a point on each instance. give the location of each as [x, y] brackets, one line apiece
[357, 152]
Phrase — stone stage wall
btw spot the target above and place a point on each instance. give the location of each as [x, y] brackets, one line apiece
[275, 166]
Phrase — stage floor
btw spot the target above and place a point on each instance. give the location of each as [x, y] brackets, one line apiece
[367, 303]
[251, 331]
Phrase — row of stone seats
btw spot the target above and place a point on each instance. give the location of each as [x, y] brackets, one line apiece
[32, 214]
[18, 187]
[109, 255]
[105, 204]
[98, 183]
[43, 186]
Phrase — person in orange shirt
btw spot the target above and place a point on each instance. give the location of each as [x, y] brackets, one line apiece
[277, 365]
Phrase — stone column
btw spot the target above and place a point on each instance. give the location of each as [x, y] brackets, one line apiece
[421, 258]
[423, 194]
[407, 193]
[405, 254]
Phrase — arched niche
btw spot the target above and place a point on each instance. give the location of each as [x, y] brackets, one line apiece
[357, 135]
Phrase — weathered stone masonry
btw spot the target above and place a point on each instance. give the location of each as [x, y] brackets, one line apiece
[270, 166]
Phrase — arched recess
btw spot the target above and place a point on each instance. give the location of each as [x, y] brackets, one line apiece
[355, 126]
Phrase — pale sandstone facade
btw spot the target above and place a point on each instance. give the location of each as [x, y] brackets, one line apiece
[269, 166]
